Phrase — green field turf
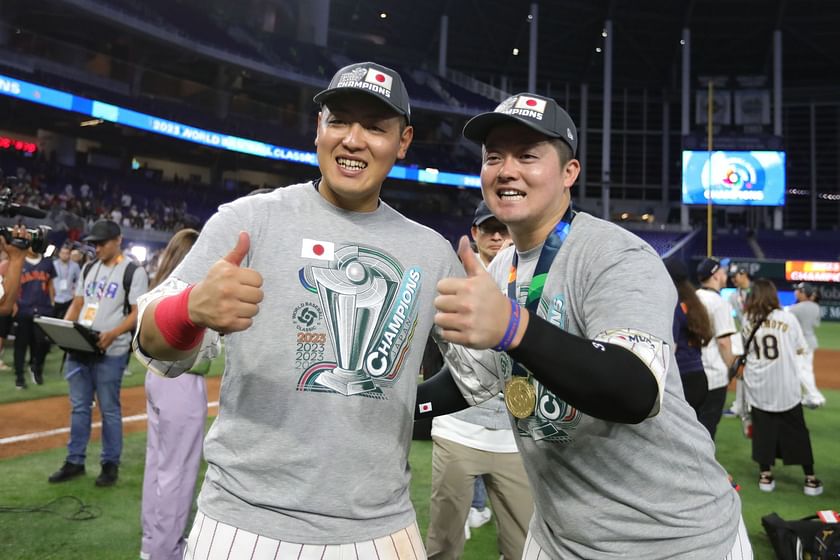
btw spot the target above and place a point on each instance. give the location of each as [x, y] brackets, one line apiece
[115, 534]
[828, 335]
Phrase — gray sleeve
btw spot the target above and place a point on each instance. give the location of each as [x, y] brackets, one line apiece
[627, 288]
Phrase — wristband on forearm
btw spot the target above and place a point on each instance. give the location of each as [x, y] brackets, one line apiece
[172, 318]
[512, 327]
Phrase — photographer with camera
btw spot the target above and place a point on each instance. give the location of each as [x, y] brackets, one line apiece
[16, 240]
[36, 297]
[10, 280]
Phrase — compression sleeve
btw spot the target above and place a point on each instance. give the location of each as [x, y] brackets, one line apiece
[439, 395]
[617, 377]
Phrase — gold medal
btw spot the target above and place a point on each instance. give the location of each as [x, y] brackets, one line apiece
[520, 397]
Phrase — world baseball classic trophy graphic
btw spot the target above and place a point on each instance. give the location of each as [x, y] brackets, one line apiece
[352, 298]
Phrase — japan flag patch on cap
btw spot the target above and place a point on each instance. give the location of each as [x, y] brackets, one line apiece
[532, 103]
[321, 250]
[379, 78]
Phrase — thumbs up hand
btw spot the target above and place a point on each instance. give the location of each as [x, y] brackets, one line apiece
[472, 311]
[226, 300]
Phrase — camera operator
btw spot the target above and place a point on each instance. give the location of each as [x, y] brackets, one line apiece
[10, 281]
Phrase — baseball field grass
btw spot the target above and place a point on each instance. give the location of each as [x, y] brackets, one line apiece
[43, 521]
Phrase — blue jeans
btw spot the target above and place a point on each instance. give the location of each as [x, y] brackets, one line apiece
[479, 493]
[101, 375]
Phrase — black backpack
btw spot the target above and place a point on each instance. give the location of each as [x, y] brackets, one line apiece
[808, 538]
[128, 274]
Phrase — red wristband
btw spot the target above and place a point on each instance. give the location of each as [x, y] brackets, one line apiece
[172, 318]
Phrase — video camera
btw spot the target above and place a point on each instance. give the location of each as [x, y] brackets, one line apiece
[37, 236]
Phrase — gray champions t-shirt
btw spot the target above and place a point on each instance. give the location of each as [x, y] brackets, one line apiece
[317, 398]
[103, 287]
[808, 314]
[604, 489]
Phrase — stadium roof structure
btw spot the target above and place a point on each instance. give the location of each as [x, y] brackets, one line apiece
[728, 38]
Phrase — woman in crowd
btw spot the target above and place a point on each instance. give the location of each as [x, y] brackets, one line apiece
[692, 331]
[177, 410]
[772, 383]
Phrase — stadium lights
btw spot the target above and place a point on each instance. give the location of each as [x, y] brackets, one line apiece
[140, 252]
[515, 51]
[597, 49]
[383, 15]
[604, 33]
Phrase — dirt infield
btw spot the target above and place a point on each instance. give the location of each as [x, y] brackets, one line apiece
[41, 415]
[54, 413]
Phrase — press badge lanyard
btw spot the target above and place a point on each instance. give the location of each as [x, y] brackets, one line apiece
[520, 396]
[89, 313]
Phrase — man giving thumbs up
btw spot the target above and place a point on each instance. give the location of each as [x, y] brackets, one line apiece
[618, 464]
[325, 297]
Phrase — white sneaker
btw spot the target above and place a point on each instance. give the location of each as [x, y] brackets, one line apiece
[479, 517]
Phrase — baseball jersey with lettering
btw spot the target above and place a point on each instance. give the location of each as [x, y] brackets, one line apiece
[770, 374]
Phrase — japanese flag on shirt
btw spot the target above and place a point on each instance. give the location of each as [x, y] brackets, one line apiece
[321, 250]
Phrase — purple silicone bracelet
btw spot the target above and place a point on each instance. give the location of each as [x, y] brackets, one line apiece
[512, 327]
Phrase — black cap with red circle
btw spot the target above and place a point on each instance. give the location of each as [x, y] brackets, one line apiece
[542, 114]
[381, 82]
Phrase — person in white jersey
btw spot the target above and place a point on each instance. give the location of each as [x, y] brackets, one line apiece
[772, 383]
[807, 311]
[740, 277]
[717, 355]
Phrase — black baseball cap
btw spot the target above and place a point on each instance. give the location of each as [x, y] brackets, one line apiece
[482, 214]
[542, 114]
[806, 288]
[707, 268]
[738, 269]
[379, 81]
[104, 230]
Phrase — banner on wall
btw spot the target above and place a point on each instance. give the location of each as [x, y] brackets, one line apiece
[812, 271]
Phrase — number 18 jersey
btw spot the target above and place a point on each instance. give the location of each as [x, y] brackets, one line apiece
[771, 374]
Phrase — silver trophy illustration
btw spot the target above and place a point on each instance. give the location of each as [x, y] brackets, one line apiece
[352, 298]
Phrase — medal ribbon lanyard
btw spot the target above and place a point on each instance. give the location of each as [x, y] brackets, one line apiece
[520, 396]
[550, 249]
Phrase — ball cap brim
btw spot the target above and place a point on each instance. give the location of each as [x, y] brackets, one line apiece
[539, 113]
[380, 82]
